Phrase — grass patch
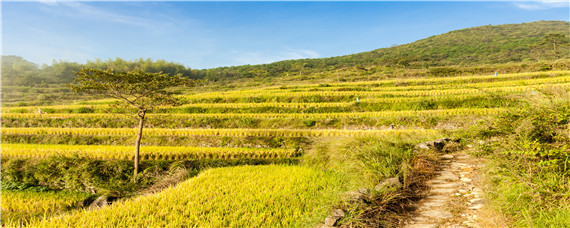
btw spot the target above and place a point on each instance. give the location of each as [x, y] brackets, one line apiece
[245, 196]
[367, 162]
[108, 177]
[20, 207]
[529, 168]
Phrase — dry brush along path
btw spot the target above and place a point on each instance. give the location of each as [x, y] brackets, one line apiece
[455, 197]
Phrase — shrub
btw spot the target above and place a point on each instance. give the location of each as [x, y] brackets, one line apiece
[539, 129]
[443, 71]
[84, 110]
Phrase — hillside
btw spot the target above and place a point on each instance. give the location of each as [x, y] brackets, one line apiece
[467, 47]
[478, 45]
[510, 48]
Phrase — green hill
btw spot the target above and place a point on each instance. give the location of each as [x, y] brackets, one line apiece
[526, 43]
[478, 45]
[466, 47]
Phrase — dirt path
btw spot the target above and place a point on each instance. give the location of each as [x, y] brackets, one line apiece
[456, 196]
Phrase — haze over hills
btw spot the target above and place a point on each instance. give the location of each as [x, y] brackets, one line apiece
[469, 47]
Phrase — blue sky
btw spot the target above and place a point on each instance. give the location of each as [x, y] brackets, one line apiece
[211, 34]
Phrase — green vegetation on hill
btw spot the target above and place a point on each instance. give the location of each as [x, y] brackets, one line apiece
[473, 46]
[470, 47]
[529, 152]
[465, 47]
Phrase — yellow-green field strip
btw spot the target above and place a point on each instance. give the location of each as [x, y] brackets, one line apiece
[483, 85]
[436, 90]
[404, 86]
[241, 196]
[102, 107]
[457, 79]
[382, 114]
[236, 132]
[390, 83]
[106, 152]
[427, 92]
[28, 201]
[194, 105]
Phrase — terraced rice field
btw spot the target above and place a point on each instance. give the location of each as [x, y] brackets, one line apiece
[272, 196]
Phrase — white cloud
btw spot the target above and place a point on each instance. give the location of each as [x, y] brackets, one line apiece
[156, 24]
[541, 5]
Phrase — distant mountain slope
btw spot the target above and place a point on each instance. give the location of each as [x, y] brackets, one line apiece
[469, 47]
[472, 46]
[484, 44]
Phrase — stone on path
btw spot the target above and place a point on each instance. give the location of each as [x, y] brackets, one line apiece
[476, 207]
[437, 197]
[443, 190]
[336, 215]
[389, 183]
[434, 203]
[423, 225]
[448, 185]
[447, 175]
[466, 180]
[434, 181]
[437, 214]
[477, 201]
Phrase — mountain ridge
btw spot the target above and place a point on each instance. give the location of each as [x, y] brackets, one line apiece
[469, 47]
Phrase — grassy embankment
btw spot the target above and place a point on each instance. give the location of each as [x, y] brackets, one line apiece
[528, 154]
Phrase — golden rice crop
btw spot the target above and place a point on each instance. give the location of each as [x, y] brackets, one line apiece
[51, 201]
[35, 109]
[525, 82]
[403, 85]
[470, 86]
[234, 132]
[445, 80]
[98, 108]
[558, 77]
[426, 92]
[439, 112]
[244, 196]
[106, 152]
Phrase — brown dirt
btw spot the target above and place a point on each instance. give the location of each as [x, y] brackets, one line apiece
[456, 196]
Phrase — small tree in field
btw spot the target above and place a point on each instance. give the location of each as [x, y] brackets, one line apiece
[141, 90]
[555, 40]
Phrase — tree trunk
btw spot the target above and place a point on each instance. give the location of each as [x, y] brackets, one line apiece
[138, 143]
[555, 57]
[537, 51]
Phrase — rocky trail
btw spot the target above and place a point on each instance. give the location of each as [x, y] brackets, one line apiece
[455, 198]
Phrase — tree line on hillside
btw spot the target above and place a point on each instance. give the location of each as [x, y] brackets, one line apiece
[536, 41]
[16, 71]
